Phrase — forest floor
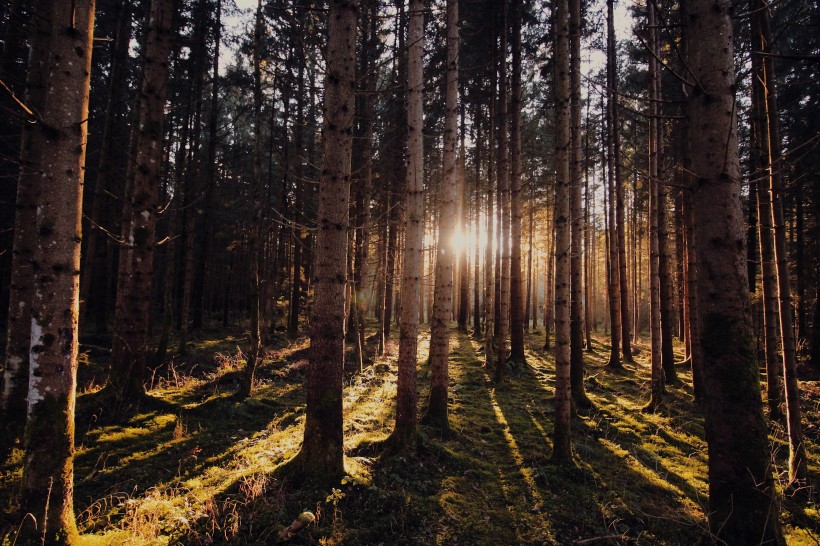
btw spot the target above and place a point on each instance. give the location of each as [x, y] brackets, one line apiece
[195, 466]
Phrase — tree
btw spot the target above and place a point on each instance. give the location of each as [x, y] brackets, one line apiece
[322, 453]
[14, 394]
[741, 490]
[48, 481]
[404, 433]
[562, 448]
[132, 329]
[443, 298]
[517, 321]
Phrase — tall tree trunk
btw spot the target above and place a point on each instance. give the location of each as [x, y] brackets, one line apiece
[797, 451]
[255, 241]
[655, 315]
[322, 453]
[742, 503]
[579, 396]
[503, 311]
[442, 302]
[14, 394]
[616, 300]
[760, 161]
[404, 434]
[562, 447]
[516, 300]
[132, 334]
[476, 228]
[48, 482]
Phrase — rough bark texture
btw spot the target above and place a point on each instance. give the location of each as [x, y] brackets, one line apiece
[579, 397]
[322, 453]
[48, 483]
[406, 404]
[562, 447]
[443, 298]
[613, 271]
[18, 335]
[656, 385]
[742, 502]
[255, 242]
[502, 326]
[132, 325]
[517, 319]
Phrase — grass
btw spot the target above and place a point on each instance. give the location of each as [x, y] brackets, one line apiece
[196, 466]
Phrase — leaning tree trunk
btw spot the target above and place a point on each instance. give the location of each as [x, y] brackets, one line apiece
[742, 497]
[404, 434]
[48, 467]
[18, 335]
[443, 299]
[322, 453]
[797, 451]
[562, 448]
[129, 352]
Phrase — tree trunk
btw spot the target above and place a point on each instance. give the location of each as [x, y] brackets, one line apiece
[48, 483]
[442, 301]
[132, 333]
[797, 451]
[579, 397]
[516, 299]
[742, 504]
[404, 434]
[322, 453]
[13, 397]
[503, 310]
[616, 300]
[562, 448]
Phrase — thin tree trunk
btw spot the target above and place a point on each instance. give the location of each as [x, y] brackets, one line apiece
[797, 451]
[562, 447]
[615, 296]
[517, 319]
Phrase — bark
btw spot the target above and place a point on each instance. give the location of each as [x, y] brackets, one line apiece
[404, 434]
[255, 242]
[503, 180]
[18, 334]
[442, 301]
[616, 300]
[132, 323]
[562, 447]
[517, 319]
[579, 397]
[760, 160]
[322, 453]
[477, 215]
[742, 502]
[47, 486]
[463, 265]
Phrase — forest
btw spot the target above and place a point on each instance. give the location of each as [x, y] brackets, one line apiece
[410, 272]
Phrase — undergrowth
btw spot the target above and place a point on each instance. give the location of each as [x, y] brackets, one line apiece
[194, 465]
